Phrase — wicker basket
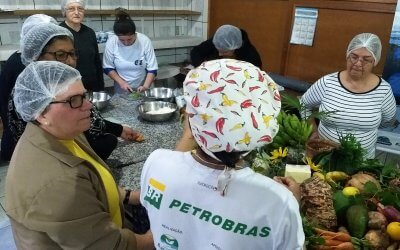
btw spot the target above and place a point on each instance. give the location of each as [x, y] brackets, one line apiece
[317, 146]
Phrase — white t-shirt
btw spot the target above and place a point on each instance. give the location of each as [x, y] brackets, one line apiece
[131, 62]
[187, 212]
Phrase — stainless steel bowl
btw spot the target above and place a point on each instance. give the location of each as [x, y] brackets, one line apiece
[159, 94]
[100, 99]
[145, 107]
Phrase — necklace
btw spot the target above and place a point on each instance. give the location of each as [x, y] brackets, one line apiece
[198, 158]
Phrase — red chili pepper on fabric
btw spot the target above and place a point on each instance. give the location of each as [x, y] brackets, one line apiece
[265, 138]
[233, 68]
[230, 81]
[203, 140]
[254, 121]
[210, 134]
[195, 101]
[228, 147]
[253, 88]
[190, 82]
[219, 89]
[277, 96]
[219, 125]
[214, 75]
[260, 76]
[245, 104]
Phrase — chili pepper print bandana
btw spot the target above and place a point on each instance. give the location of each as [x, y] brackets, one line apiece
[232, 106]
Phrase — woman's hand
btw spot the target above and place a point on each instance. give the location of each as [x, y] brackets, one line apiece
[125, 86]
[129, 133]
[142, 88]
[290, 184]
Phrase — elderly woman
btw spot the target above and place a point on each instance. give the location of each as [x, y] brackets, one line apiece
[227, 42]
[129, 57]
[54, 43]
[89, 62]
[59, 193]
[9, 73]
[359, 99]
[211, 192]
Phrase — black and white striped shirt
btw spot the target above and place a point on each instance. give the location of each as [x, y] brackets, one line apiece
[357, 113]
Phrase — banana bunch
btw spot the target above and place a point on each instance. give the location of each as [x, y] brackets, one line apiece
[293, 132]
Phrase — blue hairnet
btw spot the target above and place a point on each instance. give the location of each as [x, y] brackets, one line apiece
[39, 84]
[228, 37]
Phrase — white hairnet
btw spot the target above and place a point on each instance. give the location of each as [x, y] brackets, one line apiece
[369, 41]
[64, 3]
[39, 84]
[228, 37]
[36, 39]
[34, 20]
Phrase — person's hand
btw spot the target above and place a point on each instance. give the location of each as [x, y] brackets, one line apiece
[129, 133]
[142, 88]
[290, 184]
[125, 86]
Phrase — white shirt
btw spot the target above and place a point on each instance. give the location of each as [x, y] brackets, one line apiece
[131, 62]
[187, 212]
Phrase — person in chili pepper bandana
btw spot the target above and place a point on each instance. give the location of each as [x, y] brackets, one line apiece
[231, 110]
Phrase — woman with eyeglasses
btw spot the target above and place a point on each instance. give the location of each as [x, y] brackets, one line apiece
[89, 62]
[360, 100]
[59, 193]
[129, 57]
[50, 42]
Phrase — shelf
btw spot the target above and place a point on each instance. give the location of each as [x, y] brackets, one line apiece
[158, 43]
[104, 12]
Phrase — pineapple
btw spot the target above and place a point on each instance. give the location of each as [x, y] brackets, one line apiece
[317, 204]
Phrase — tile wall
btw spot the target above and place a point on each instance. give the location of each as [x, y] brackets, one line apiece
[164, 27]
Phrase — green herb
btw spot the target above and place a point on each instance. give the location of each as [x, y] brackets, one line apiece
[135, 96]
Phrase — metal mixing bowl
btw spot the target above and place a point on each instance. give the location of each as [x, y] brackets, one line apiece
[100, 99]
[159, 94]
[145, 107]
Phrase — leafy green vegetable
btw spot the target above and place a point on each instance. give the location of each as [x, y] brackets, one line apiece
[135, 95]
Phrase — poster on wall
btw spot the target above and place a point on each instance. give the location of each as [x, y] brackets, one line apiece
[391, 71]
[305, 20]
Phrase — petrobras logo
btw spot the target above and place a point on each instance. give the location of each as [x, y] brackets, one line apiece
[154, 193]
[168, 242]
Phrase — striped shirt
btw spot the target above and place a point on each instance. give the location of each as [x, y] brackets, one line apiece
[357, 113]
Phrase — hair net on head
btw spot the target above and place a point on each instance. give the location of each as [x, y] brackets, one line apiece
[36, 39]
[232, 106]
[369, 41]
[34, 20]
[39, 84]
[64, 3]
[228, 37]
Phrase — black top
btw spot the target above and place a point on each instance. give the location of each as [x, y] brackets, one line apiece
[206, 51]
[89, 62]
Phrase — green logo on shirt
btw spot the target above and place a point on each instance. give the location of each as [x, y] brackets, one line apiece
[154, 193]
[168, 242]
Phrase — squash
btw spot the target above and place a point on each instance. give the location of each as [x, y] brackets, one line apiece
[358, 181]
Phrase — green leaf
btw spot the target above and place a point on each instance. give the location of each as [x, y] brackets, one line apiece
[370, 188]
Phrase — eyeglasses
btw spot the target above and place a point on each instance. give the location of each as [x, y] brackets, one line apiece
[75, 101]
[73, 9]
[63, 55]
[364, 60]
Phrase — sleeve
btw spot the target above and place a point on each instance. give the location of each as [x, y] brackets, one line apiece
[108, 56]
[250, 54]
[150, 56]
[69, 212]
[291, 231]
[388, 106]
[203, 52]
[113, 128]
[313, 97]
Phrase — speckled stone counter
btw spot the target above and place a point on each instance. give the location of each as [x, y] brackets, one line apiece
[157, 135]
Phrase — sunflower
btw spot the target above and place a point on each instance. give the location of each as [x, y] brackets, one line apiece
[278, 153]
[314, 167]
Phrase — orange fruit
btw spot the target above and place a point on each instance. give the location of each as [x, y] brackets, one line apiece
[393, 229]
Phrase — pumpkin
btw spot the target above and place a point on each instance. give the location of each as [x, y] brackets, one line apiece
[358, 181]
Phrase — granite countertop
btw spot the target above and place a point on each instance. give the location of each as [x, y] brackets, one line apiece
[122, 109]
